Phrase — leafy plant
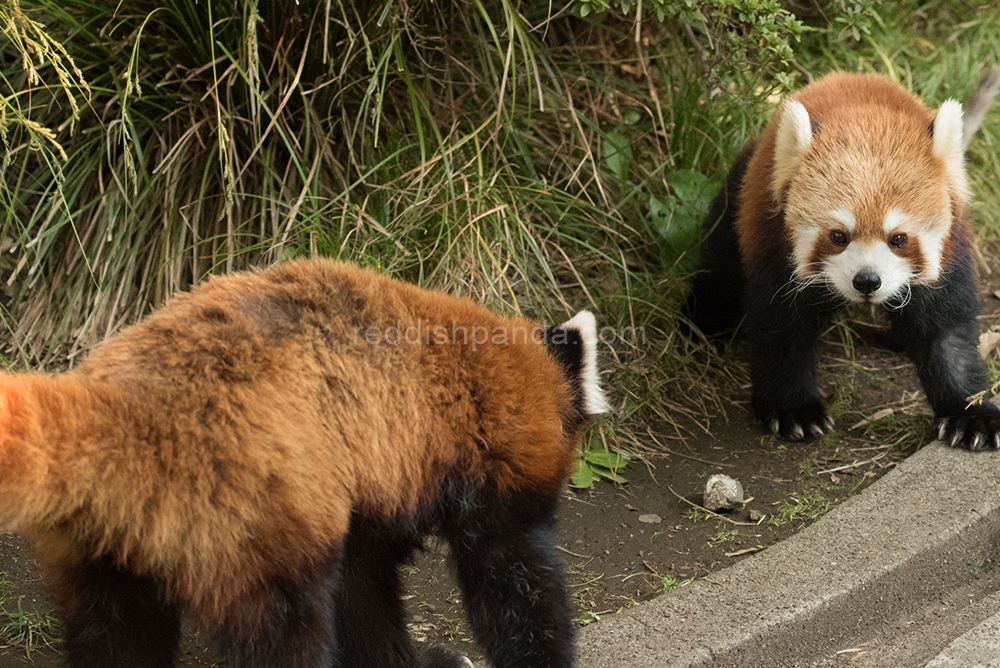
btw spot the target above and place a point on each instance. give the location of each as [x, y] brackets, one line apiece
[855, 17]
[679, 218]
[597, 462]
[730, 36]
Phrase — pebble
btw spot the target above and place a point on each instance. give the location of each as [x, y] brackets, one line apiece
[722, 493]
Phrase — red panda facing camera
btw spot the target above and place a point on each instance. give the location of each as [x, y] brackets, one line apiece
[263, 452]
[855, 192]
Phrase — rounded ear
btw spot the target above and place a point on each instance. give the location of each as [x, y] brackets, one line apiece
[579, 358]
[947, 134]
[792, 141]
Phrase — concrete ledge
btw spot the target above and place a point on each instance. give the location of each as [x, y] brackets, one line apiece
[931, 524]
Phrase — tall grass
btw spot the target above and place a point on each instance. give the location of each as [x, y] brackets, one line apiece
[509, 151]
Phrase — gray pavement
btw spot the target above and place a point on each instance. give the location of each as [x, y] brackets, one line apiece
[977, 648]
[902, 574]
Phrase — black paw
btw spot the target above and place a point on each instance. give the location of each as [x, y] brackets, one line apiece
[977, 428]
[798, 424]
[431, 656]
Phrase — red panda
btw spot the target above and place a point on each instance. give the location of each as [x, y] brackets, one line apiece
[264, 451]
[854, 193]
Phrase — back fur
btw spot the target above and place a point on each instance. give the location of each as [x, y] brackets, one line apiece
[228, 441]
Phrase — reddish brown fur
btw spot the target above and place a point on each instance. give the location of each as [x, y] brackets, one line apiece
[226, 439]
[862, 120]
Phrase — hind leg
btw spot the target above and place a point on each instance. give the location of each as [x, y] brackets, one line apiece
[371, 619]
[286, 624]
[115, 619]
[512, 579]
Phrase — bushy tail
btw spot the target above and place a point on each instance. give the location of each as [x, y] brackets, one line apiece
[979, 103]
[50, 426]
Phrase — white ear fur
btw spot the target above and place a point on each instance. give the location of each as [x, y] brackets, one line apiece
[593, 396]
[793, 139]
[948, 145]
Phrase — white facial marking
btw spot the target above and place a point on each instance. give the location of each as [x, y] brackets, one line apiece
[932, 246]
[931, 236]
[894, 218]
[805, 241]
[806, 236]
[844, 216]
[893, 271]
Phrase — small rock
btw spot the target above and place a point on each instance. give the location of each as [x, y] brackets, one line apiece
[651, 518]
[722, 493]
[756, 515]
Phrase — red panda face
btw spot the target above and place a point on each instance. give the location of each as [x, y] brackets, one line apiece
[868, 243]
[875, 262]
[868, 195]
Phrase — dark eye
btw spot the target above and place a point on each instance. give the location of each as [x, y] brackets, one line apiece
[897, 240]
[839, 238]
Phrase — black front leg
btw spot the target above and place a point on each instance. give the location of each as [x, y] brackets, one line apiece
[783, 325]
[371, 617]
[511, 577]
[938, 330]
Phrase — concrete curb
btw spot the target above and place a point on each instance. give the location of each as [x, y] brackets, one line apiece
[931, 524]
[978, 648]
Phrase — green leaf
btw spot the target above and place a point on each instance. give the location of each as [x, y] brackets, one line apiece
[679, 224]
[581, 477]
[609, 460]
[609, 474]
[679, 219]
[689, 185]
[617, 155]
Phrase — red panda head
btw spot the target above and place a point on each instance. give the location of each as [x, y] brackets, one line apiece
[869, 190]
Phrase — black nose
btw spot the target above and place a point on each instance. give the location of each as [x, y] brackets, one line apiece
[867, 282]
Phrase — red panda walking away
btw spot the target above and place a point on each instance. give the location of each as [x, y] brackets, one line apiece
[855, 192]
[264, 451]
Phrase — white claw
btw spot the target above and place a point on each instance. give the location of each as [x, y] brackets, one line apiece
[996, 441]
[797, 432]
[775, 424]
[828, 423]
[977, 442]
[468, 662]
[956, 438]
[815, 430]
[942, 428]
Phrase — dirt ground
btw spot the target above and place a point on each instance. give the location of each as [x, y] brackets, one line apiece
[623, 544]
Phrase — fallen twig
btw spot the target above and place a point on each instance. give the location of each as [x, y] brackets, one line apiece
[746, 551]
[721, 517]
[666, 449]
[853, 465]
